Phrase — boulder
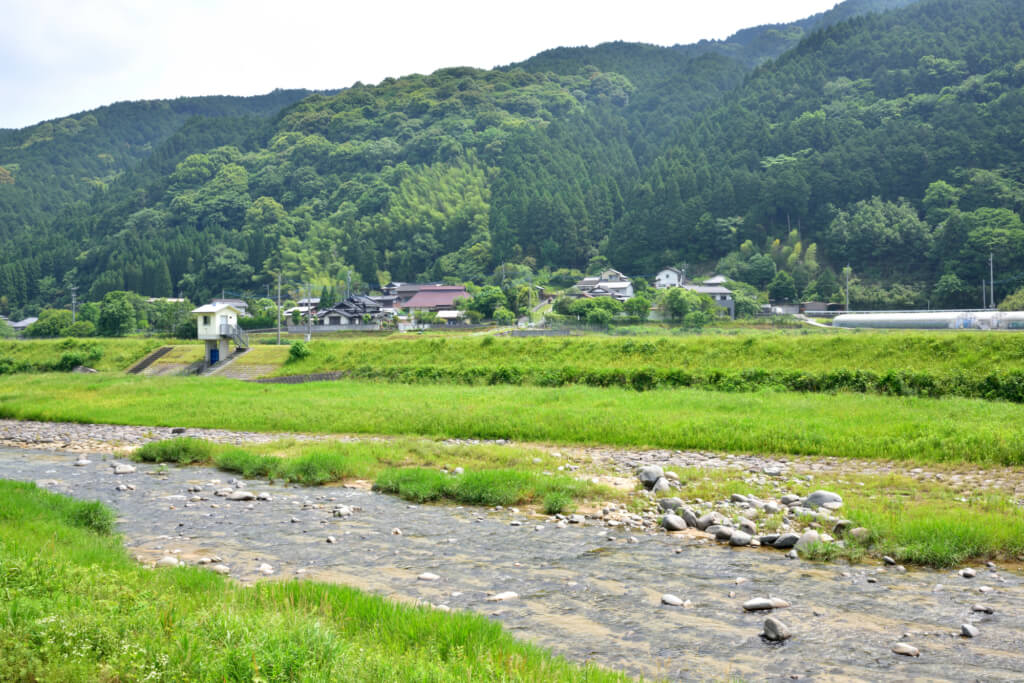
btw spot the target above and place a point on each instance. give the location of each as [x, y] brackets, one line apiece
[785, 541]
[819, 498]
[673, 522]
[649, 475]
[670, 503]
[775, 630]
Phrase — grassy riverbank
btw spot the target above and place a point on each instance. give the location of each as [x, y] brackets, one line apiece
[409, 468]
[49, 355]
[925, 522]
[844, 425]
[77, 608]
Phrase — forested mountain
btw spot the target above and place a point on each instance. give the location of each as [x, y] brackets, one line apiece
[890, 141]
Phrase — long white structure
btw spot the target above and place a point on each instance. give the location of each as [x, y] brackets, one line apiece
[934, 320]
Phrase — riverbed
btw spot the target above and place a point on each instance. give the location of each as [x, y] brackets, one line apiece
[585, 591]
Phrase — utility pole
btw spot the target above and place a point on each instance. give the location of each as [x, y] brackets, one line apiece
[74, 303]
[991, 281]
[846, 272]
[279, 308]
[984, 300]
[309, 312]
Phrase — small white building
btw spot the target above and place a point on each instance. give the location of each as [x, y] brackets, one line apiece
[669, 277]
[217, 325]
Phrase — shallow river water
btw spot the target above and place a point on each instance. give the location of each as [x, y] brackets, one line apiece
[584, 591]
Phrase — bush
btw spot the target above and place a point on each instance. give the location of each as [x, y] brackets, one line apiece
[556, 502]
[182, 451]
[92, 515]
[81, 328]
[298, 351]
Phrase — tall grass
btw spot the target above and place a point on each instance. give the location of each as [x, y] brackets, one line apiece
[844, 425]
[913, 363]
[483, 487]
[77, 608]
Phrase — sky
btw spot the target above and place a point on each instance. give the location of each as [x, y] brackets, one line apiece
[60, 57]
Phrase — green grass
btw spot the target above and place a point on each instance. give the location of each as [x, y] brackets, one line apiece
[399, 466]
[45, 355]
[914, 363]
[483, 487]
[844, 425]
[77, 608]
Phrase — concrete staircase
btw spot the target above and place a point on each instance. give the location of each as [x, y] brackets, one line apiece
[149, 360]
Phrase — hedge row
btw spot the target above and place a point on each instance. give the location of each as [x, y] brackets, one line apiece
[997, 386]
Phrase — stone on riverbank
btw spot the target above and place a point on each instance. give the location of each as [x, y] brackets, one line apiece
[167, 561]
[672, 600]
[501, 597]
[969, 630]
[673, 523]
[775, 630]
[649, 475]
[759, 604]
[906, 649]
[821, 497]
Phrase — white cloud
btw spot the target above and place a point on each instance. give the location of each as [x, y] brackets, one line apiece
[64, 56]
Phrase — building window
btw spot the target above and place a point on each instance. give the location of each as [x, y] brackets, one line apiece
[206, 320]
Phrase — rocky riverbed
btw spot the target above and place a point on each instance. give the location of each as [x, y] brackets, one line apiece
[584, 589]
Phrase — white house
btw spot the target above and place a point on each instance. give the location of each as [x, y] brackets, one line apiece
[217, 324]
[669, 277]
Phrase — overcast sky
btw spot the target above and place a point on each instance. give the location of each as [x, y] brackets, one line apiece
[59, 57]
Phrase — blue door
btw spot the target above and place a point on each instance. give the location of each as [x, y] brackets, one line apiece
[214, 356]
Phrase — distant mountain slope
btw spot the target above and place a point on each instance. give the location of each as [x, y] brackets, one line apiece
[52, 163]
[890, 142]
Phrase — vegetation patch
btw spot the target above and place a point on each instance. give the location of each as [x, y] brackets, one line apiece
[77, 608]
[483, 487]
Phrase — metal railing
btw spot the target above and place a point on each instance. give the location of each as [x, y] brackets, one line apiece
[236, 333]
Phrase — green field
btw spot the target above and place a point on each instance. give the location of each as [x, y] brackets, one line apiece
[845, 425]
[934, 364]
[76, 607]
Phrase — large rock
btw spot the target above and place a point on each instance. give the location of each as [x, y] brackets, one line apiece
[689, 517]
[819, 498]
[123, 469]
[776, 630]
[167, 561]
[706, 520]
[759, 604]
[241, 495]
[740, 538]
[969, 630]
[673, 522]
[785, 541]
[807, 538]
[670, 503]
[669, 599]
[661, 485]
[649, 475]
[747, 526]
[906, 649]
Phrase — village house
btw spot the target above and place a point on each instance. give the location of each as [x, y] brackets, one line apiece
[714, 287]
[355, 310]
[609, 283]
[436, 298]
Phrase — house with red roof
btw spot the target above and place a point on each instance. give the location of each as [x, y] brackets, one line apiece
[436, 298]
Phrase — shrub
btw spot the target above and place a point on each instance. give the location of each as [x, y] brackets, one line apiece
[183, 451]
[92, 515]
[298, 351]
[556, 502]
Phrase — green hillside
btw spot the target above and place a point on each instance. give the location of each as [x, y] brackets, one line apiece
[886, 140]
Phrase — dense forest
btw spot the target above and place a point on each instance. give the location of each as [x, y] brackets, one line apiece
[884, 135]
